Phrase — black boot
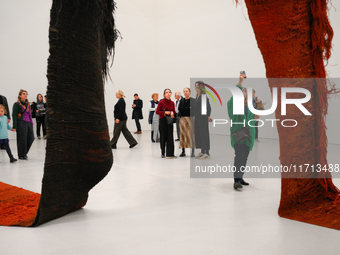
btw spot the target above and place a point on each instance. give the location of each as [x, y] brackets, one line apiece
[12, 159]
[152, 137]
[243, 182]
[237, 185]
[183, 153]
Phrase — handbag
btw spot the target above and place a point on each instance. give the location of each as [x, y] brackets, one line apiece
[170, 120]
[241, 134]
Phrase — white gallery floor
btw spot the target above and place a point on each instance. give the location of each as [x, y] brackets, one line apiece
[150, 205]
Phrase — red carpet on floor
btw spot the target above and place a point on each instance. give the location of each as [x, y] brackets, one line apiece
[18, 207]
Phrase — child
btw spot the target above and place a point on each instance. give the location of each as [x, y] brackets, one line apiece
[3, 132]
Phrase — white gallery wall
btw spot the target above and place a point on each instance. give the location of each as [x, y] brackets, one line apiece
[164, 44]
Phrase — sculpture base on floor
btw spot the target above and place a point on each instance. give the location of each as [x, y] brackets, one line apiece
[18, 207]
[322, 212]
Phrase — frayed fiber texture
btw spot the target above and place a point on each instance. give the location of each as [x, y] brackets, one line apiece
[18, 207]
[295, 39]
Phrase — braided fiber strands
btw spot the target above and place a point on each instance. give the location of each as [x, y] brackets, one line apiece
[294, 38]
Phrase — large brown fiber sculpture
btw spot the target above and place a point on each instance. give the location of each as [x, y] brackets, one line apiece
[78, 151]
[294, 37]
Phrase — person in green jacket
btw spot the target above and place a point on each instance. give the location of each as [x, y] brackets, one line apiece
[242, 149]
[23, 124]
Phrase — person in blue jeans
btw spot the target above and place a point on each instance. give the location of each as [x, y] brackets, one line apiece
[242, 149]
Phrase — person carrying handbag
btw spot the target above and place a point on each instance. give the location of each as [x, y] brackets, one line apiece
[242, 148]
[166, 107]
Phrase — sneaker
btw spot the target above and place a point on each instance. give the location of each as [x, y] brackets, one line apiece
[199, 155]
[44, 137]
[39, 137]
[171, 157]
[257, 140]
[205, 156]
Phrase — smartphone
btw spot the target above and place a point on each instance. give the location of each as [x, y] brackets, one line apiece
[244, 73]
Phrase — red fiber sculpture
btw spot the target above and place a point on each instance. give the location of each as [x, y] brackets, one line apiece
[295, 39]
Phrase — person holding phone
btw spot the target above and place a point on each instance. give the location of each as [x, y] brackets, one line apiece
[243, 148]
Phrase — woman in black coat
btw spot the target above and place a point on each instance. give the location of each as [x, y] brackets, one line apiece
[120, 122]
[202, 138]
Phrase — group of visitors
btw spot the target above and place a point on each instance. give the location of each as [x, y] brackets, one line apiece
[193, 128]
[23, 113]
[186, 113]
[162, 115]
